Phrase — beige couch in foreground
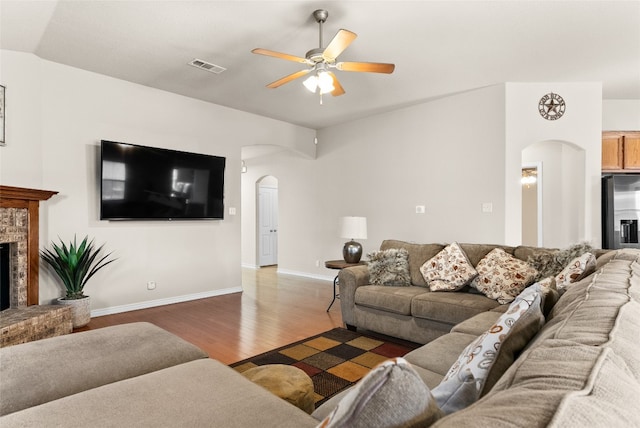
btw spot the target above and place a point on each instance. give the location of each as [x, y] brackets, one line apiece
[581, 369]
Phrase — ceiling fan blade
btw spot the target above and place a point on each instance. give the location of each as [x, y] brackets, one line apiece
[288, 78]
[370, 67]
[340, 42]
[280, 55]
[339, 90]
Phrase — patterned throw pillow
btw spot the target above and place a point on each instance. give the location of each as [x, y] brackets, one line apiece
[577, 269]
[391, 395]
[502, 277]
[389, 267]
[449, 270]
[485, 359]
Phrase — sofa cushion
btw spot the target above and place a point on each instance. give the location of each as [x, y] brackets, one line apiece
[391, 299]
[389, 267]
[501, 276]
[449, 270]
[478, 324]
[450, 308]
[107, 355]
[523, 252]
[390, 395]
[439, 355]
[485, 359]
[418, 254]
[476, 252]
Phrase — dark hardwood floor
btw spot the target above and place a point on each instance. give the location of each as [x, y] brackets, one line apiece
[272, 311]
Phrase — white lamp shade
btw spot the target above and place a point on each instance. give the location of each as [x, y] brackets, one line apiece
[353, 228]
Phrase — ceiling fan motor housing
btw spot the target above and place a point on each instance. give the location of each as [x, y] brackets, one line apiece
[315, 55]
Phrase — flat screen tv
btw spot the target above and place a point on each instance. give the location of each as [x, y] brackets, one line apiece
[149, 183]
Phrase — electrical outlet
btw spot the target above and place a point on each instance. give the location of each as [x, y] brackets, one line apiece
[420, 209]
[487, 207]
[317, 263]
[151, 285]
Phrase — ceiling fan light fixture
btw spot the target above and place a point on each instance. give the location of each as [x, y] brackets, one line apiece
[311, 83]
[325, 82]
[321, 80]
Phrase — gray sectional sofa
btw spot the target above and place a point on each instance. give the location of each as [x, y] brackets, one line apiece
[414, 313]
[581, 369]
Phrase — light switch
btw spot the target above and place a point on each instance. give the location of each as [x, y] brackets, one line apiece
[232, 211]
[419, 209]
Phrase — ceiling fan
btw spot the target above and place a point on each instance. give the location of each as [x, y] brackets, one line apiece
[322, 60]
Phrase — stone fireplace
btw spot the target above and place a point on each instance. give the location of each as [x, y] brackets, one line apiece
[25, 319]
[14, 239]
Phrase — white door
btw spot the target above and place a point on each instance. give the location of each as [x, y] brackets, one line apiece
[268, 226]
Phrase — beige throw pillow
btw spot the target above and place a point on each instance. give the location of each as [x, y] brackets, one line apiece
[502, 277]
[485, 359]
[449, 270]
[391, 395]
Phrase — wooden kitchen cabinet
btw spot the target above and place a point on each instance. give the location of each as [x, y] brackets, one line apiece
[621, 151]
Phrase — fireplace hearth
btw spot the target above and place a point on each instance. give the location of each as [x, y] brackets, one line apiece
[24, 320]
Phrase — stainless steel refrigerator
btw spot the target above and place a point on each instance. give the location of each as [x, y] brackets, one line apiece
[620, 210]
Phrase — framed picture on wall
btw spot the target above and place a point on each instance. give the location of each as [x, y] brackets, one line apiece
[2, 115]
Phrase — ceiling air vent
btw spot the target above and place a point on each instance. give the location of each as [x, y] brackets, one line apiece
[206, 66]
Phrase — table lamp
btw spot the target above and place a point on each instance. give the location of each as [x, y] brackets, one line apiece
[353, 228]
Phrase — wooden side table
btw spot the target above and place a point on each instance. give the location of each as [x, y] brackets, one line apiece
[339, 265]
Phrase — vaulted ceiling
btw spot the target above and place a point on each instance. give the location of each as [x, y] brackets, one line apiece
[439, 48]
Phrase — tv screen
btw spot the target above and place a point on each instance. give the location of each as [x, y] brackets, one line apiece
[148, 183]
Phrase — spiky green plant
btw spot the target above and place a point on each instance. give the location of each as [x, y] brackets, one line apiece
[75, 265]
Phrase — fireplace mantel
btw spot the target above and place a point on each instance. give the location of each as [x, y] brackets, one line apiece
[18, 197]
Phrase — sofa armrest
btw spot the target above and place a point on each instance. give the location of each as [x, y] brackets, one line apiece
[349, 280]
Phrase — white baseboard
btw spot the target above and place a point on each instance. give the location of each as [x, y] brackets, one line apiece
[249, 266]
[306, 275]
[160, 302]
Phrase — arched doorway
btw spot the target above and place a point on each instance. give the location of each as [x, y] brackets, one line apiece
[267, 221]
[563, 190]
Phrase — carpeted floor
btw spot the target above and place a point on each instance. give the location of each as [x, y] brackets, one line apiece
[334, 360]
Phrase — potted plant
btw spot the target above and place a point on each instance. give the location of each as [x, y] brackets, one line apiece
[75, 265]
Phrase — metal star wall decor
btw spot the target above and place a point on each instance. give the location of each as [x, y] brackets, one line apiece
[551, 106]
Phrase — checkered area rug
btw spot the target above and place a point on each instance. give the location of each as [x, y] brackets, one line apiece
[334, 360]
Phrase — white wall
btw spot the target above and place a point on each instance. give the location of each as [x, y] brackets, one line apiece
[621, 115]
[56, 117]
[581, 126]
[21, 157]
[447, 155]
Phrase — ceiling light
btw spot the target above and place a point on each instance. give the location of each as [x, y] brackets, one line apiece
[321, 80]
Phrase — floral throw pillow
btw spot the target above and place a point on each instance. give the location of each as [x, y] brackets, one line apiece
[577, 269]
[389, 267]
[502, 277]
[449, 270]
[485, 359]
